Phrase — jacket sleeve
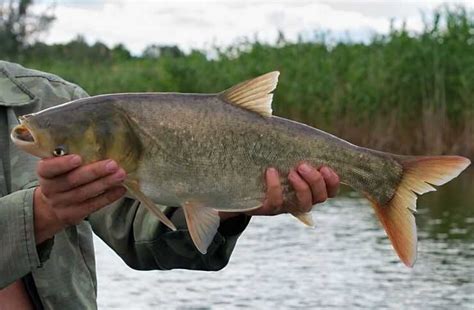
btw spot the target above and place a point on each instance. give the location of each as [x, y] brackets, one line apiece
[144, 243]
[18, 253]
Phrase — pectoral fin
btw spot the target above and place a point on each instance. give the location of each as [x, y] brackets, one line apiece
[133, 188]
[306, 218]
[202, 224]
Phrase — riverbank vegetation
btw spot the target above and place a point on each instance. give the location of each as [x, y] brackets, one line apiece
[402, 92]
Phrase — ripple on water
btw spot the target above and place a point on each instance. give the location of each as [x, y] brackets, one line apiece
[345, 262]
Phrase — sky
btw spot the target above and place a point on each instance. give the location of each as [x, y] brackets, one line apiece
[203, 24]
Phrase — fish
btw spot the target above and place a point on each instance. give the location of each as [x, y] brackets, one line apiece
[208, 153]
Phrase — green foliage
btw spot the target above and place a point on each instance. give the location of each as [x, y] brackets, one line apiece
[399, 81]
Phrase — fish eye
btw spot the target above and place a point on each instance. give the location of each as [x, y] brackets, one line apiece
[59, 151]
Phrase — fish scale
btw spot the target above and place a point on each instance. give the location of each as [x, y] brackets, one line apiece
[231, 149]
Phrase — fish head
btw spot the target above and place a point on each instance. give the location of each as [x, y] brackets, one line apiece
[31, 138]
[87, 130]
[55, 134]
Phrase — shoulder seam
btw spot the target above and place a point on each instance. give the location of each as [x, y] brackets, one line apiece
[44, 77]
[19, 85]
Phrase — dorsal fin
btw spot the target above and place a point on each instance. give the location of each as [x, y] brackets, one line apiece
[255, 94]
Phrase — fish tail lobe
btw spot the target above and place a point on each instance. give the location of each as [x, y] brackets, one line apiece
[397, 216]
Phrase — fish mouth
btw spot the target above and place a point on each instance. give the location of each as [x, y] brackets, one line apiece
[21, 135]
[26, 139]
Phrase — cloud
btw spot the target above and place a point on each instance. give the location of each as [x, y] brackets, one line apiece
[197, 24]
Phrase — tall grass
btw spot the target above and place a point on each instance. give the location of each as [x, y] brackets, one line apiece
[401, 92]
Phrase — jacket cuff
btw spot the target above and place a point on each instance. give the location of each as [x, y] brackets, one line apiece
[44, 249]
[18, 255]
[175, 249]
[234, 226]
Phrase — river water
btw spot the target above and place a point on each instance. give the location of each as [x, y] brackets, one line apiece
[346, 262]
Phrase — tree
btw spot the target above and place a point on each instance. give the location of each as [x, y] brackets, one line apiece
[19, 27]
[156, 51]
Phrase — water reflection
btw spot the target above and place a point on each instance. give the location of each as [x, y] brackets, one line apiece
[346, 262]
[449, 213]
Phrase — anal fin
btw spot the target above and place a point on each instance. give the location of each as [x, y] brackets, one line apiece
[305, 218]
[202, 224]
[133, 188]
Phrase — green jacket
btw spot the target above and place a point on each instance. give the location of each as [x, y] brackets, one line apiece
[63, 269]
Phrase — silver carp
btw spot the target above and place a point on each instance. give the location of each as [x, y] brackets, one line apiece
[208, 153]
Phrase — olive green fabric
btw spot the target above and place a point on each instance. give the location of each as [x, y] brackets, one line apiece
[63, 269]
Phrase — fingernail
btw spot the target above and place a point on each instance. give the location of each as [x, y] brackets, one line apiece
[325, 172]
[75, 160]
[272, 172]
[111, 166]
[305, 168]
[291, 174]
[120, 175]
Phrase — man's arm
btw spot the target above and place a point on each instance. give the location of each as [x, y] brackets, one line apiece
[63, 195]
[18, 253]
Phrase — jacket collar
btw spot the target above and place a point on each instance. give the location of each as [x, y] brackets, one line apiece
[13, 93]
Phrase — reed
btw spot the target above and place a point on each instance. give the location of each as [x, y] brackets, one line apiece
[401, 92]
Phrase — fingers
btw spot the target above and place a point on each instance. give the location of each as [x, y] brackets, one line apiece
[303, 192]
[314, 182]
[274, 196]
[310, 186]
[87, 191]
[274, 191]
[52, 167]
[80, 176]
[75, 214]
[69, 192]
[103, 200]
[332, 181]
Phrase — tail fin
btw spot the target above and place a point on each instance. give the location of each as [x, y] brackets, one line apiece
[397, 217]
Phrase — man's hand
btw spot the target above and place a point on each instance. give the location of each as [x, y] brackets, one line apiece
[311, 186]
[68, 192]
